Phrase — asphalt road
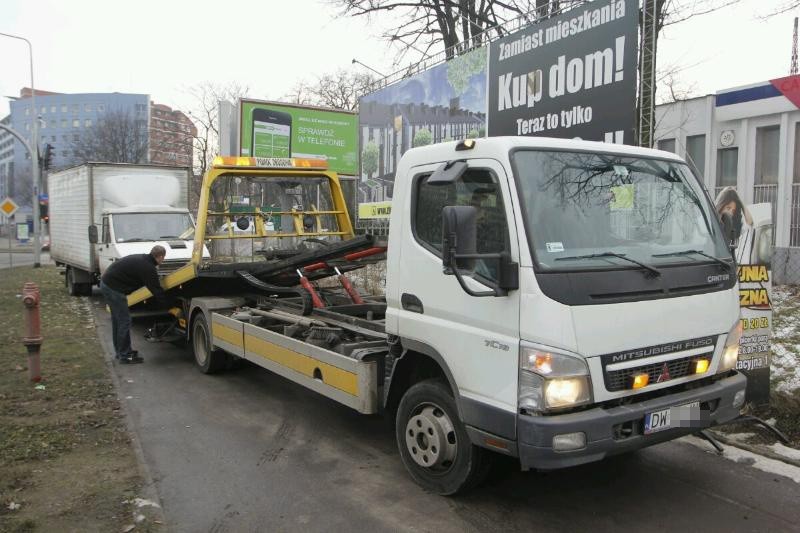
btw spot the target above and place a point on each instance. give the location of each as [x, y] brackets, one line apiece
[250, 451]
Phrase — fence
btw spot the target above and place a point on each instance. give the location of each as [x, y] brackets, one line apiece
[768, 194]
[794, 217]
[374, 226]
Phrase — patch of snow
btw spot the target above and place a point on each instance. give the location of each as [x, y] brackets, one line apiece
[141, 502]
[791, 453]
[737, 455]
[740, 437]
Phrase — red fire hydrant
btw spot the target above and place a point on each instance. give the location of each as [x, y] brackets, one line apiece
[33, 334]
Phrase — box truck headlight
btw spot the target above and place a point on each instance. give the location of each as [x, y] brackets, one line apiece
[550, 379]
[730, 354]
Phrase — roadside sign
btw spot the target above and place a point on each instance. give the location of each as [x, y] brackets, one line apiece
[8, 207]
[23, 232]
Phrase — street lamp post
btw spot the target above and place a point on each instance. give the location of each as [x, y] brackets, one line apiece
[34, 151]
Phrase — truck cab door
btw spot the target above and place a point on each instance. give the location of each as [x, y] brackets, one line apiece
[106, 251]
[477, 337]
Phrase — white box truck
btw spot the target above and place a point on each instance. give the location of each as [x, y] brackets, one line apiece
[557, 301]
[100, 212]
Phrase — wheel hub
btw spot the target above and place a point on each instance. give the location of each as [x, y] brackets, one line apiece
[200, 348]
[431, 438]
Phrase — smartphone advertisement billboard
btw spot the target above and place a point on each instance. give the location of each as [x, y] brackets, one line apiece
[270, 129]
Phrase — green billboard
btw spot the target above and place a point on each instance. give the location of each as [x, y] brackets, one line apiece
[270, 129]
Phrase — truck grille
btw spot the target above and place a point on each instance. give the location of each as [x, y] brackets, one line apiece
[618, 380]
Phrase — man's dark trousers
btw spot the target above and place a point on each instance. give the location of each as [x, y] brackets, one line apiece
[120, 320]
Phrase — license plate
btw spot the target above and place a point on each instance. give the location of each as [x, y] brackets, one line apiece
[670, 417]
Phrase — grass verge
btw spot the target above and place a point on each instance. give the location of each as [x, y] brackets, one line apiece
[66, 460]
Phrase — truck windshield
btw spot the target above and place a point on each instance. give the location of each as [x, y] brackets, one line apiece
[588, 211]
[133, 227]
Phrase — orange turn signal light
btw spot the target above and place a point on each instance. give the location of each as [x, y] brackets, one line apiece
[639, 380]
[700, 366]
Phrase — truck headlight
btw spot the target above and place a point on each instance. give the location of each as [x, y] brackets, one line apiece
[730, 353]
[550, 379]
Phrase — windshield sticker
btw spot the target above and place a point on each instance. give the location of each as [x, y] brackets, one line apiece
[554, 247]
[623, 198]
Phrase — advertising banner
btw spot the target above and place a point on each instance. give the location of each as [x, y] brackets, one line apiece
[570, 76]
[374, 210]
[270, 129]
[446, 102]
[752, 230]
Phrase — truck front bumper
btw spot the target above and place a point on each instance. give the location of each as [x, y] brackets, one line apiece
[614, 430]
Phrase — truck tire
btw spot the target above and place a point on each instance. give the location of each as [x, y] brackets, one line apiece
[433, 442]
[208, 359]
[75, 288]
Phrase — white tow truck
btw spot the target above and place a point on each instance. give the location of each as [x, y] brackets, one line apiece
[557, 301]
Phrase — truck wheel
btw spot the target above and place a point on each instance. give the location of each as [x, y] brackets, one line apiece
[433, 442]
[75, 288]
[208, 359]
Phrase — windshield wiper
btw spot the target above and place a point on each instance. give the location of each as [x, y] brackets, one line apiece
[134, 239]
[169, 237]
[697, 252]
[652, 270]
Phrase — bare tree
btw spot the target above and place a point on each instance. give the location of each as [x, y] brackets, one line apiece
[118, 137]
[205, 115]
[453, 26]
[456, 25]
[339, 90]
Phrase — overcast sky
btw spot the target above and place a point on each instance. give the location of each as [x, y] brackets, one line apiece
[164, 47]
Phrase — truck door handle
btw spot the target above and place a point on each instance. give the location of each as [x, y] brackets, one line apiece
[411, 303]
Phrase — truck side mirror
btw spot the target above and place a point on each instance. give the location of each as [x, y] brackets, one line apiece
[459, 236]
[459, 251]
[93, 234]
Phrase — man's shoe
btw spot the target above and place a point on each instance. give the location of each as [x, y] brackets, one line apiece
[130, 359]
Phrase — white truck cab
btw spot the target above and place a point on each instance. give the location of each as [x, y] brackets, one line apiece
[579, 296]
[136, 229]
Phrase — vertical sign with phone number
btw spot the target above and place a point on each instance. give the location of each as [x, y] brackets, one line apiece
[271, 129]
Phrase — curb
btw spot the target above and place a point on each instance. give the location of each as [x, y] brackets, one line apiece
[754, 448]
[150, 489]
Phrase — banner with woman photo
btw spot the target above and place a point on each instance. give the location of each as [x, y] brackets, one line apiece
[750, 231]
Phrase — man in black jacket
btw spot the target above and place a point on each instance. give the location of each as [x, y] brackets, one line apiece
[122, 278]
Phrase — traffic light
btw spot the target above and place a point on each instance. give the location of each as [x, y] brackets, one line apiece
[47, 158]
[43, 212]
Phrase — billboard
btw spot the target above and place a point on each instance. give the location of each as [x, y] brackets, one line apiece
[271, 129]
[573, 75]
[752, 234]
[446, 102]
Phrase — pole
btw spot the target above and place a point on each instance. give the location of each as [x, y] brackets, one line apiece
[34, 149]
[10, 255]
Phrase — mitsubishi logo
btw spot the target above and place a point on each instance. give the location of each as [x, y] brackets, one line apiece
[664, 374]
